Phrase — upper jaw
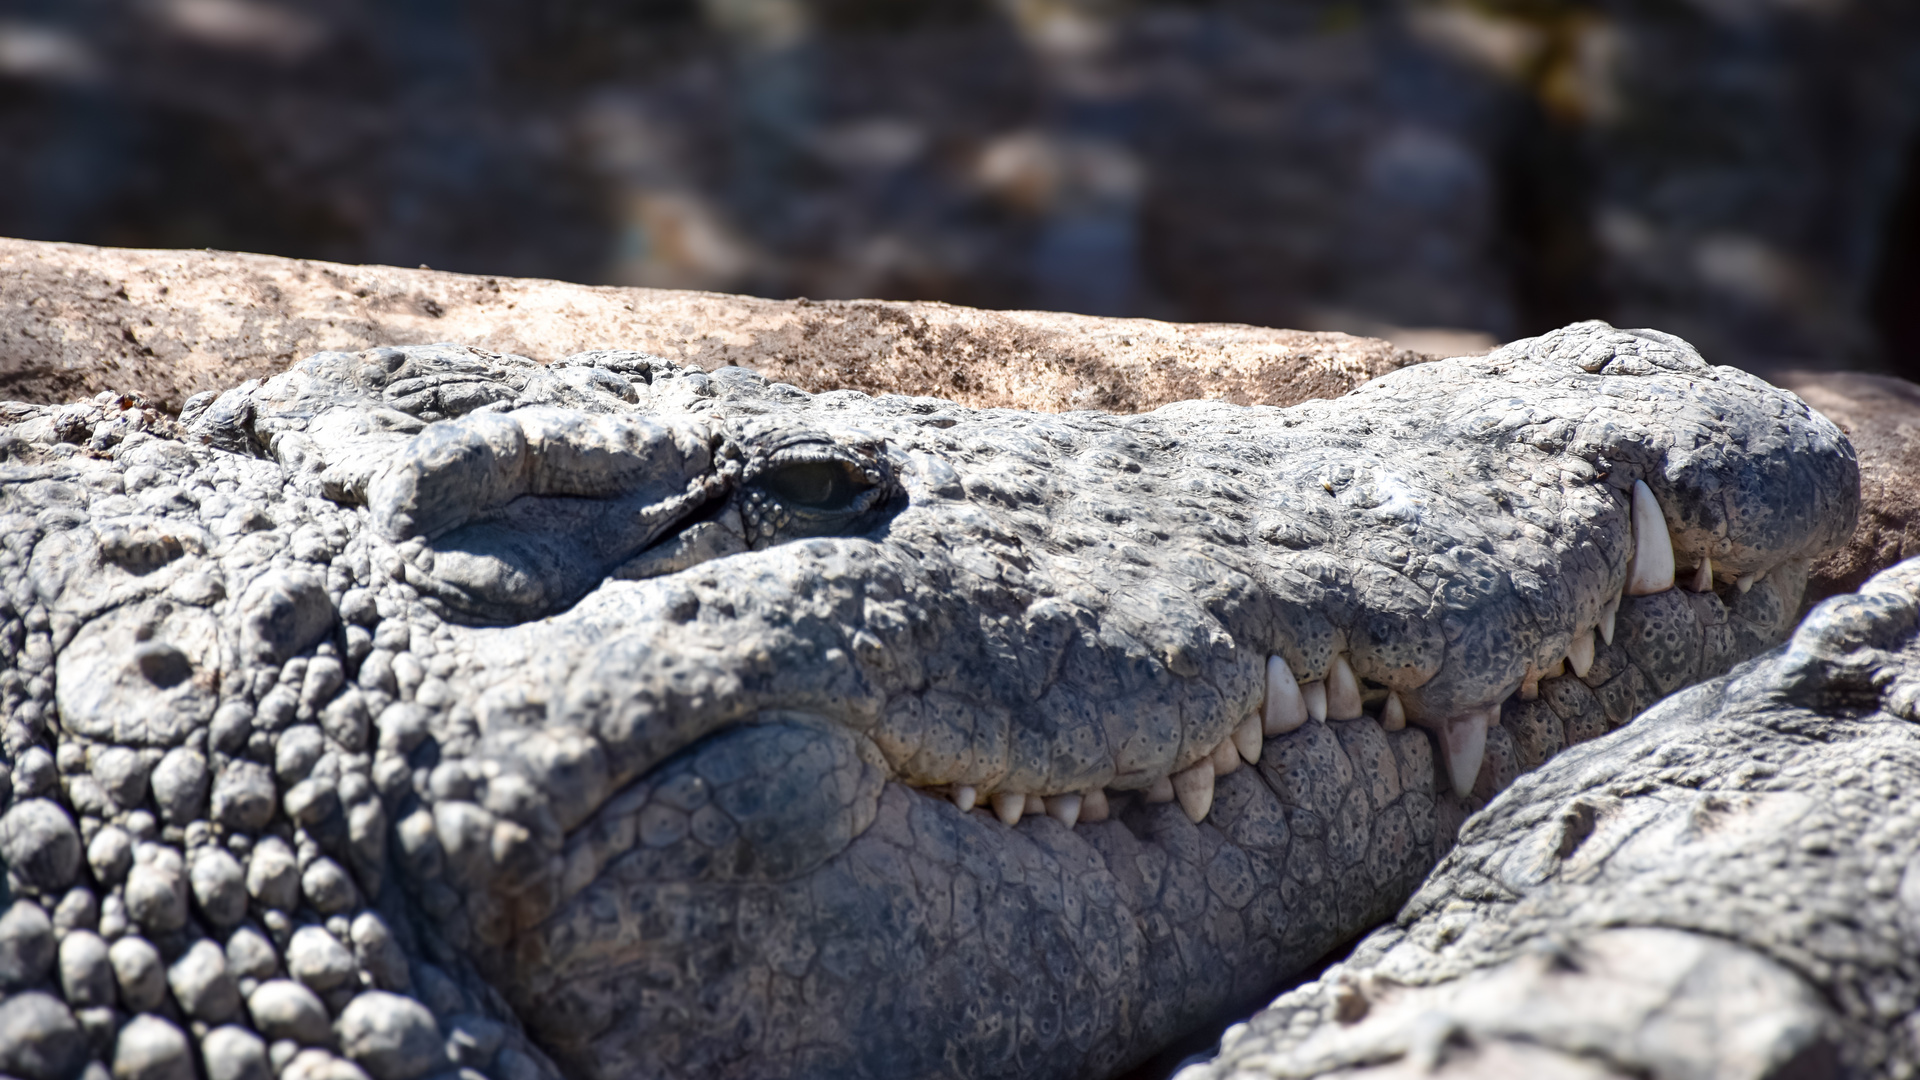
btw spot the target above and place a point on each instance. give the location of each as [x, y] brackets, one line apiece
[1429, 546]
[1106, 682]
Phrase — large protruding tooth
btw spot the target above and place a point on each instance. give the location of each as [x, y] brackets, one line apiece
[1064, 809]
[1247, 739]
[1580, 653]
[1161, 790]
[1035, 805]
[1194, 786]
[1746, 582]
[1530, 683]
[1008, 806]
[1285, 709]
[1463, 746]
[1393, 715]
[1343, 691]
[1607, 615]
[1093, 806]
[964, 796]
[1315, 695]
[1651, 570]
[1225, 757]
[1703, 577]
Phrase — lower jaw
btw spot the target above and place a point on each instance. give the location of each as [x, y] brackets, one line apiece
[945, 940]
[943, 943]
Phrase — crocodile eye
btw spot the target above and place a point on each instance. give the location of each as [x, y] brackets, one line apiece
[820, 486]
[815, 491]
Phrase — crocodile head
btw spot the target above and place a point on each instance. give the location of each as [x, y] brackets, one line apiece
[695, 725]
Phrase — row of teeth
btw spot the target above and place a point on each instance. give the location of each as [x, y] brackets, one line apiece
[1291, 703]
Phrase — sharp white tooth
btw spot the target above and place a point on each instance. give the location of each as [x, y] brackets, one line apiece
[1651, 570]
[1064, 809]
[1393, 715]
[1607, 615]
[1225, 757]
[1703, 577]
[1463, 746]
[1285, 709]
[1555, 669]
[1746, 582]
[1194, 786]
[1315, 695]
[964, 796]
[1530, 684]
[1093, 806]
[1008, 806]
[1343, 691]
[1580, 653]
[1248, 739]
[1035, 805]
[1160, 790]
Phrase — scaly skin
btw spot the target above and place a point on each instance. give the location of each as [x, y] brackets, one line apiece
[1726, 888]
[622, 715]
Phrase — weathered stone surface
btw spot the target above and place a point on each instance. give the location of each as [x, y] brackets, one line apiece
[1881, 416]
[287, 308]
[1723, 888]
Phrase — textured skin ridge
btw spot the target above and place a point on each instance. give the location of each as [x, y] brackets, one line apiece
[1725, 888]
[606, 712]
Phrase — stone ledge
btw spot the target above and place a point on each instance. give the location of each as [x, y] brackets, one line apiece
[75, 320]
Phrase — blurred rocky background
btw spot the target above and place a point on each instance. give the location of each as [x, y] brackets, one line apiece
[1444, 173]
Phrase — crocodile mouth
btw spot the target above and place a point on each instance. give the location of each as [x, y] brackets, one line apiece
[793, 851]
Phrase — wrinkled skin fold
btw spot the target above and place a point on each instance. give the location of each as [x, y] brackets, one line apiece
[620, 719]
[1726, 888]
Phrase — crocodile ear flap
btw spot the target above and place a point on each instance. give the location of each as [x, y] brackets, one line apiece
[457, 471]
[447, 474]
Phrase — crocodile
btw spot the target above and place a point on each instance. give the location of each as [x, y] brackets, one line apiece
[1726, 888]
[429, 712]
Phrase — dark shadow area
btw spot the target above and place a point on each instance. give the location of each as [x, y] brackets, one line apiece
[1547, 210]
[1896, 288]
[1204, 1040]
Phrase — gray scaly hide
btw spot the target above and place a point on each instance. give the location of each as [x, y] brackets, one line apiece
[1727, 888]
[425, 708]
